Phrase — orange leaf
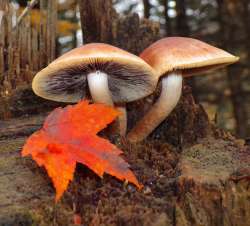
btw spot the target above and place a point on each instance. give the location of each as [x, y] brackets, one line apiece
[69, 136]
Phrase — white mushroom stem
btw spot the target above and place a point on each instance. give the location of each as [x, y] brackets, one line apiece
[99, 90]
[169, 97]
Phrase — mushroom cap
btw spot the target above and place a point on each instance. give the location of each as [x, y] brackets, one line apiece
[65, 79]
[187, 54]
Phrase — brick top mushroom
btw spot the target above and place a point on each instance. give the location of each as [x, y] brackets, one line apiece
[174, 58]
[112, 75]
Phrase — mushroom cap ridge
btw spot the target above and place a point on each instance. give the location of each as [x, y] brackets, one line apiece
[187, 54]
[131, 77]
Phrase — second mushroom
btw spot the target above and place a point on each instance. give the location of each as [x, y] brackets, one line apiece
[174, 58]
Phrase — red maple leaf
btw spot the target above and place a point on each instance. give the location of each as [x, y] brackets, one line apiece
[69, 136]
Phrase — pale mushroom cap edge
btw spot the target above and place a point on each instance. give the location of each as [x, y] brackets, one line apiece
[99, 53]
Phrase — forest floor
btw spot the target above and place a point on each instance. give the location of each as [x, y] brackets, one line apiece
[173, 185]
[206, 183]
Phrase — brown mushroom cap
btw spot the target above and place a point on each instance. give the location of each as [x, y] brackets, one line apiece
[65, 79]
[189, 55]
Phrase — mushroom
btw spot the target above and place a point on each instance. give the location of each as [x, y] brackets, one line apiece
[112, 75]
[174, 58]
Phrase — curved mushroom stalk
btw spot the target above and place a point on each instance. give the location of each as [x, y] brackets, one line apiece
[170, 95]
[98, 86]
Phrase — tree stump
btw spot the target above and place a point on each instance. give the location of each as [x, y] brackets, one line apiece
[207, 183]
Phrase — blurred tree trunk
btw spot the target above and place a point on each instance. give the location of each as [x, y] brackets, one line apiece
[182, 29]
[244, 128]
[168, 25]
[147, 7]
[96, 20]
[246, 22]
[231, 17]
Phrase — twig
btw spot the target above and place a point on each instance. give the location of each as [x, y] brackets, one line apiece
[29, 6]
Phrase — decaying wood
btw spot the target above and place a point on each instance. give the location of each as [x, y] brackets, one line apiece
[25, 48]
[25, 193]
[20, 127]
[95, 16]
[206, 184]
[213, 188]
[100, 23]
